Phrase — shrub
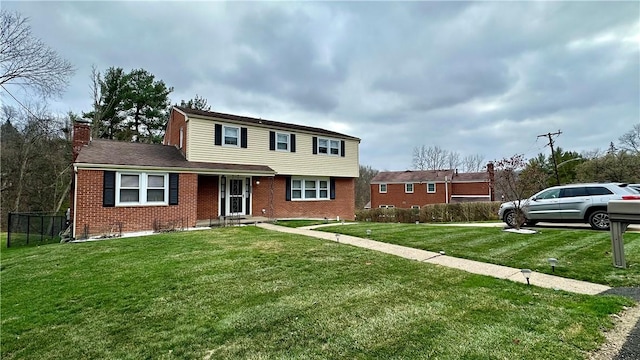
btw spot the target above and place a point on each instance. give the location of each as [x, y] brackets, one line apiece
[459, 212]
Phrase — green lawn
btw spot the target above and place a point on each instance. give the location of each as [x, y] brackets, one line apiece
[245, 292]
[582, 254]
[301, 223]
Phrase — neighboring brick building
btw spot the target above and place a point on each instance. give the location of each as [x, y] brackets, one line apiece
[212, 166]
[414, 189]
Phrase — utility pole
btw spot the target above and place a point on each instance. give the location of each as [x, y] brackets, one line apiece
[553, 153]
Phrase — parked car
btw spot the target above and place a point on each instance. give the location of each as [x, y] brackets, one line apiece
[635, 186]
[583, 203]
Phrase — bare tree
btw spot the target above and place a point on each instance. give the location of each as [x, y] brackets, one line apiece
[453, 159]
[517, 182]
[630, 140]
[429, 158]
[363, 187]
[473, 163]
[27, 61]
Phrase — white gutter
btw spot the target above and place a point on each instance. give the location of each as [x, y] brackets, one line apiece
[175, 169]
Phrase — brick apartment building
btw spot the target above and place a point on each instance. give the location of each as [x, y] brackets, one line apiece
[414, 189]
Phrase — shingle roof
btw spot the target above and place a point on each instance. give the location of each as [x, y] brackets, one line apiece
[411, 176]
[109, 152]
[263, 122]
[428, 175]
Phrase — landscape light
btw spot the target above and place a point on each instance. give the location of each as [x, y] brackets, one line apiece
[368, 232]
[553, 262]
[442, 252]
[338, 237]
[527, 274]
[417, 222]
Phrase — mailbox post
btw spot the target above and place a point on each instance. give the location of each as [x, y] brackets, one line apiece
[621, 214]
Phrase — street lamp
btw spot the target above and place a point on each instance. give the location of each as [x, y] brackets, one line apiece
[527, 274]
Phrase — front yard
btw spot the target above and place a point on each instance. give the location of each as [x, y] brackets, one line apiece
[245, 292]
[582, 254]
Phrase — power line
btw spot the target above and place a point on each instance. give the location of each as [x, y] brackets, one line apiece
[18, 101]
[553, 154]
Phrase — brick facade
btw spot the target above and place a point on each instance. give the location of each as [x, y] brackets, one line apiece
[172, 136]
[397, 197]
[208, 197]
[94, 219]
[343, 205]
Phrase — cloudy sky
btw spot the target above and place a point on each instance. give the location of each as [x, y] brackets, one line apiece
[477, 78]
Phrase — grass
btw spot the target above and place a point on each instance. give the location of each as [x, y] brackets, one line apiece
[245, 292]
[582, 254]
[301, 223]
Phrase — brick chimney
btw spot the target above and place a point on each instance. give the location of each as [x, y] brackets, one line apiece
[81, 136]
[492, 180]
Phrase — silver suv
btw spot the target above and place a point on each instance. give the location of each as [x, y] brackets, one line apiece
[584, 203]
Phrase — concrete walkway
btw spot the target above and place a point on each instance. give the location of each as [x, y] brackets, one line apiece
[476, 267]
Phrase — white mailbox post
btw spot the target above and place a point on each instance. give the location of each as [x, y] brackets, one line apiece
[621, 214]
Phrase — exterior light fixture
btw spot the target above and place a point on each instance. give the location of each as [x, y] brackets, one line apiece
[257, 182]
[368, 232]
[527, 274]
[417, 222]
[553, 262]
[338, 237]
[442, 252]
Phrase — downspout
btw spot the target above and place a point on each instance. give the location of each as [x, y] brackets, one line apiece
[446, 190]
[75, 201]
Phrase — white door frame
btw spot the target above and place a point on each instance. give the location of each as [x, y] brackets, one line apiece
[245, 193]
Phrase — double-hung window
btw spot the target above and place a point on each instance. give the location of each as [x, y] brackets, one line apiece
[408, 188]
[142, 189]
[382, 188]
[282, 141]
[231, 135]
[328, 146]
[431, 188]
[309, 189]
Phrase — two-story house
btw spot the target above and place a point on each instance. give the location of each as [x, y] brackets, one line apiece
[414, 188]
[212, 166]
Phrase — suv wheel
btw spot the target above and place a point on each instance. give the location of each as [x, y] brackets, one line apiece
[599, 220]
[510, 218]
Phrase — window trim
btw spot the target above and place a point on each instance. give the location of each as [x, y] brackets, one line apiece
[380, 188]
[181, 137]
[386, 206]
[318, 189]
[288, 135]
[224, 136]
[329, 147]
[143, 187]
[435, 188]
[406, 188]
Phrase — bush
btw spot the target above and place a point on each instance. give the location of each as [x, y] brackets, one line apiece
[461, 212]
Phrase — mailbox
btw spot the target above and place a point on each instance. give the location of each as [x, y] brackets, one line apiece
[621, 214]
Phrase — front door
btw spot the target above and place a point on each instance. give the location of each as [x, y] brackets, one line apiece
[236, 197]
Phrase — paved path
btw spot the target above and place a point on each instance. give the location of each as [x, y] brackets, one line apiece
[476, 267]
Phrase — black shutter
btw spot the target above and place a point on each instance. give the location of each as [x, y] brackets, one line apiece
[315, 145]
[174, 179]
[243, 137]
[217, 138]
[293, 142]
[342, 148]
[288, 188]
[109, 189]
[332, 188]
[272, 140]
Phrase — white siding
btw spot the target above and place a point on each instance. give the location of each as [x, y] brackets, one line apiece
[200, 147]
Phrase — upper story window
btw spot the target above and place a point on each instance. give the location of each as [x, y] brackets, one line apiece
[382, 188]
[282, 141]
[431, 188]
[141, 189]
[328, 147]
[231, 135]
[408, 188]
[181, 137]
